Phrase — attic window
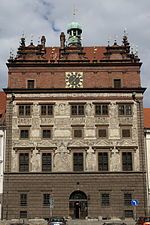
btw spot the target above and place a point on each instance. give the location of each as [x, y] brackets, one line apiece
[30, 84]
[117, 83]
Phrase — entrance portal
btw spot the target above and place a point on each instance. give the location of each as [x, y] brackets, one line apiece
[78, 205]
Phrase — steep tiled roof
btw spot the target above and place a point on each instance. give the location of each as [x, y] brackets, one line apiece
[146, 117]
[91, 53]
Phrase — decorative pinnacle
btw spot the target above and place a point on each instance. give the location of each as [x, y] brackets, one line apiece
[31, 39]
[125, 32]
[22, 40]
[11, 54]
[115, 41]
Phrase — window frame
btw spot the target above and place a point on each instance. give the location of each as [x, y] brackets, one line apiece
[32, 84]
[24, 129]
[98, 128]
[46, 129]
[125, 128]
[128, 212]
[116, 86]
[123, 109]
[77, 128]
[101, 111]
[126, 164]
[78, 167]
[25, 165]
[24, 110]
[102, 164]
[127, 198]
[23, 199]
[77, 111]
[48, 166]
[105, 199]
[46, 199]
[46, 109]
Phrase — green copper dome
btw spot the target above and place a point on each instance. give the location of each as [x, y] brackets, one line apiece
[74, 25]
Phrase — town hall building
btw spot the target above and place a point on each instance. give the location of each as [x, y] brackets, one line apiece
[74, 125]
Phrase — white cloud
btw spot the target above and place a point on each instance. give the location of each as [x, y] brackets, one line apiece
[99, 19]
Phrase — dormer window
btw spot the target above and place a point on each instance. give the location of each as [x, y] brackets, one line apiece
[30, 84]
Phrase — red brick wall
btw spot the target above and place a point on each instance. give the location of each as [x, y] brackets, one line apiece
[92, 77]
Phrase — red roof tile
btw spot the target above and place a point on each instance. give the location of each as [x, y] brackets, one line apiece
[91, 53]
[2, 102]
[146, 117]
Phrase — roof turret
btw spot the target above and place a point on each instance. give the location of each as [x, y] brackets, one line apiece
[74, 30]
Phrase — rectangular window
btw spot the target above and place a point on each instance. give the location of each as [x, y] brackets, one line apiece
[30, 84]
[117, 83]
[103, 161]
[102, 132]
[127, 199]
[77, 110]
[47, 110]
[24, 162]
[23, 214]
[46, 133]
[77, 132]
[24, 133]
[46, 199]
[125, 109]
[128, 213]
[78, 161]
[23, 199]
[105, 199]
[46, 162]
[126, 132]
[24, 110]
[126, 161]
[101, 109]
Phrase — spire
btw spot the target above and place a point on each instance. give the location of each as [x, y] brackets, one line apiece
[125, 41]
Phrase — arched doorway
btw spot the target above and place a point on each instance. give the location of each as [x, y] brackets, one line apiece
[78, 205]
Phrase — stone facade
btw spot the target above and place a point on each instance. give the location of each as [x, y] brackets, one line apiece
[61, 141]
[90, 175]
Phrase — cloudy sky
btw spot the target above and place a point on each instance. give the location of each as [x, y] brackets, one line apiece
[100, 19]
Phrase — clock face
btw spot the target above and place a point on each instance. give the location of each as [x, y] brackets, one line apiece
[74, 79]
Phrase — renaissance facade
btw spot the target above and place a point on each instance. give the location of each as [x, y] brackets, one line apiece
[74, 130]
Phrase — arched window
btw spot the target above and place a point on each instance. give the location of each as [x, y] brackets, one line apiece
[78, 195]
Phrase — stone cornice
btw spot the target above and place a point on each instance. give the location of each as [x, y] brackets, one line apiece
[71, 90]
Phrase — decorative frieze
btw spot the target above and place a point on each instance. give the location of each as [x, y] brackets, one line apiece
[24, 121]
[45, 121]
[77, 120]
[102, 120]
